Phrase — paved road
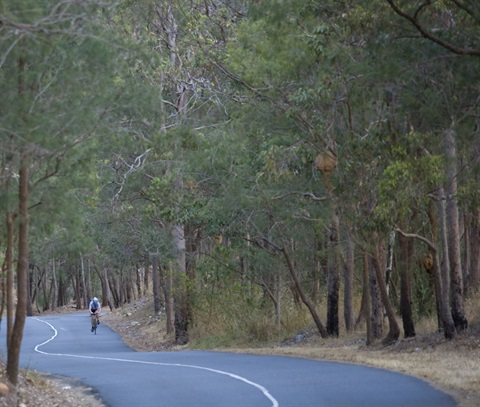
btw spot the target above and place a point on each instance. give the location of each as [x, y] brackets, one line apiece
[63, 345]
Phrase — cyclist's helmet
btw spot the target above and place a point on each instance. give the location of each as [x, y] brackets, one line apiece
[95, 299]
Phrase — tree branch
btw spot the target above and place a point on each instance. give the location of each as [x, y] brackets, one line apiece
[419, 237]
[428, 35]
[305, 194]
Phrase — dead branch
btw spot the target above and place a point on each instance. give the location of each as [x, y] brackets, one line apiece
[310, 195]
[427, 34]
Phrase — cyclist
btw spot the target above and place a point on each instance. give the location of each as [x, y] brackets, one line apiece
[95, 308]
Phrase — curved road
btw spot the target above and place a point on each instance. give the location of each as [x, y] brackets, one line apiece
[64, 346]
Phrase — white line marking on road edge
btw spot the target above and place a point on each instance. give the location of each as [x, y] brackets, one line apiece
[265, 392]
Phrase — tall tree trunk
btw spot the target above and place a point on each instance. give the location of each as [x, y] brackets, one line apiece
[168, 27]
[112, 284]
[54, 285]
[458, 307]
[366, 298]
[169, 300]
[348, 311]
[30, 272]
[22, 273]
[333, 279]
[78, 289]
[376, 316]
[182, 312]
[89, 282]
[442, 301]
[393, 329]
[138, 281]
[106, 292]
[405, 292]
[146, 283]
[389, 268]
[128, 285]
[45, 290]
[61, 291]
[157, 303]
[84, 283]
[444, 278]
[473, 277]
[191, 246]
[9, 266]
[448, 324]
[433, 215]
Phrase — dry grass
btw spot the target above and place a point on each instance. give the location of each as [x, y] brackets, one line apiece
[453, 366]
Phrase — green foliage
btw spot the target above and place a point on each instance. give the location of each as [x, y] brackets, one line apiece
[405, 184]
[132, 130]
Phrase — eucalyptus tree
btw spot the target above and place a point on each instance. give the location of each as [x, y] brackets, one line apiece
[56, 86]
[182, 43]
[359, 106]
[409, 108]
[274, 64]
[452, 30]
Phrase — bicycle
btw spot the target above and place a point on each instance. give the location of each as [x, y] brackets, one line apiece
[94, 319]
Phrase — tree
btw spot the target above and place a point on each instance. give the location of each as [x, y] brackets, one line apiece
[458, 307]
[439, 24]
[15, 339]
[52, 64]
[445, 315]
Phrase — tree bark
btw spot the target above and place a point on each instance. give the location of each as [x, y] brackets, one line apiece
[61, 291]
[77, 284]
[138, 281]
[376, 316]
[145, 276]
[458, 307]
[89, 283]
[156, 284]
[473, 276]
[333, 280]
[348, 311]
[10, 276]
[389, 268]
[445, 315]
[394, 329]
[22, 273]
[29, 291]
[405, 292]
[107, 295]
[54, 285]
[182, 312]
[366, 298]
[167, 277]
[84, 283]
[448, 324]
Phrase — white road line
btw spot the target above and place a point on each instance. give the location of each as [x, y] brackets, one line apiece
[265, 392]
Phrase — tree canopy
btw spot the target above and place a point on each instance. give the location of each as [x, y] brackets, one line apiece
[232, 156]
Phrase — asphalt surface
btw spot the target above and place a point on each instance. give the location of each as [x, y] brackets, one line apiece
[63, 345]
